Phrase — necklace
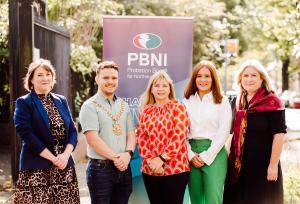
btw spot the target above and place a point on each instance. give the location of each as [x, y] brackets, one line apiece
[117, 129]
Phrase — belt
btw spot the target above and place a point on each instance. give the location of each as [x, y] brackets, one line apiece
[102, 161]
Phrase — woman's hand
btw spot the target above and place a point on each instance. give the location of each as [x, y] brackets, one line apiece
[48, 155]
[156, 165]
[272, 173]
[64, 157]
[54, 160]
[160, 171]
[197, 162]
[62, 160]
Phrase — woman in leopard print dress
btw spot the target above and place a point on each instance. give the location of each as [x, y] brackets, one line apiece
[44, 123]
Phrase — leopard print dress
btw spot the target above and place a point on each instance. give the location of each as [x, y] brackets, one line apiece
[49, 186]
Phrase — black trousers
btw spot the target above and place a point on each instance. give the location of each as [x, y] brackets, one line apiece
[166, 189]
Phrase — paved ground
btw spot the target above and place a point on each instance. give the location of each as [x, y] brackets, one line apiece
[5, 177]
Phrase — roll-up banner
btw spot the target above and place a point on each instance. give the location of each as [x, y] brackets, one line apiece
[143, 45]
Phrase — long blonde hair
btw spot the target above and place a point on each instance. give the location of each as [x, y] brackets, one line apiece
[147, 97]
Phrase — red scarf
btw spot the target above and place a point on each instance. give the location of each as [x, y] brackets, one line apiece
[262, 101]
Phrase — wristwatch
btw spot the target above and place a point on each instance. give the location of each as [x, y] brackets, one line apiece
[130, 152]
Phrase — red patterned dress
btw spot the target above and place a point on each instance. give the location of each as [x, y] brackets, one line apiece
[162, 130]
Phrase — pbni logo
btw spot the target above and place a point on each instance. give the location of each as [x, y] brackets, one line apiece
[147, 41]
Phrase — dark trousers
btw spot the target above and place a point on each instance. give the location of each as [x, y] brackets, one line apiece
[166, 189]
[108, 185]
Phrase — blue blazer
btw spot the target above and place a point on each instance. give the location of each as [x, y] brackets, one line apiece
[32, 125]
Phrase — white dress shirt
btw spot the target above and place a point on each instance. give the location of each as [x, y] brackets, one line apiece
[208, 121]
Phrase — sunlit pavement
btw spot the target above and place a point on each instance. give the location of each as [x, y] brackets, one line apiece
[293, 119]
[291, 153]
[290, 157]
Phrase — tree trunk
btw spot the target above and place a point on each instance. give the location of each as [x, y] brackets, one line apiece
[285, 74]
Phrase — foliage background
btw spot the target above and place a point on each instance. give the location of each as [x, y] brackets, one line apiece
[267, 30]
[4, 70]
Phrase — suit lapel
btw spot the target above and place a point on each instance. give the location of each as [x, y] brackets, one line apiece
[40, 108]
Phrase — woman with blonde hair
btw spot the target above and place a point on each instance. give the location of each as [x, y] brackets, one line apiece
[162, 132]
[210, 121]
[44, 123]
[147, 97]
[259, 128]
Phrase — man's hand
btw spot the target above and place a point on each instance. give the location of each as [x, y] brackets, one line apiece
[197, 162]
[122, 161]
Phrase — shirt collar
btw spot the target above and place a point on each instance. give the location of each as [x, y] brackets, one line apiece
[102, 98]
[206, 97]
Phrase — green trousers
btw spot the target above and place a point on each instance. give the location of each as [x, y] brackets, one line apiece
[206, 184]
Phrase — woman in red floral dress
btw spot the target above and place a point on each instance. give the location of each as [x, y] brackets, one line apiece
[162, 135]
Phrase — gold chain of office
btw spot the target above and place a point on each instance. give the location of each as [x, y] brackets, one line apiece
[117, 128]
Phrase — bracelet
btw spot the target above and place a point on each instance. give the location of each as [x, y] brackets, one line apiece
[163, 159]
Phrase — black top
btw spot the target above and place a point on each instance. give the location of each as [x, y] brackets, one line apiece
[252, 186]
